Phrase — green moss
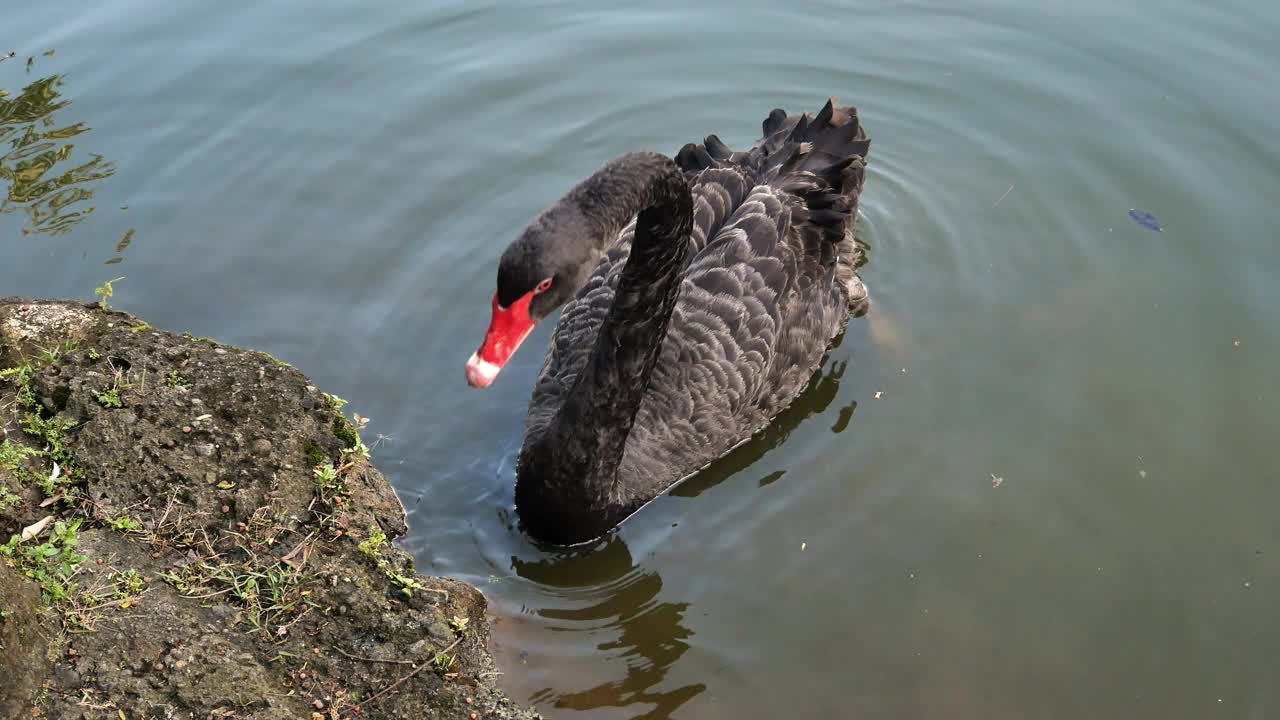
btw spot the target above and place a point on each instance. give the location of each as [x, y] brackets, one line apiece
[315, 455]
[273, 359]
[345, 431]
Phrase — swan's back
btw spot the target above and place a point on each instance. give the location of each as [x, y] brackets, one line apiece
[771, 280]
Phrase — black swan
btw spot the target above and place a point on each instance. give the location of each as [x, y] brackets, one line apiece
[700, 295]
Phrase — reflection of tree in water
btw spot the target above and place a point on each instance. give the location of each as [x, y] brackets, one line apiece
[650, 634]
[53, 198]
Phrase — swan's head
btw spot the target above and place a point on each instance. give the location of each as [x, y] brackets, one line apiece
[538, 273]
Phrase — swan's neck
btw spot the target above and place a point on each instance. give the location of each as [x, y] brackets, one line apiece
[569, 476]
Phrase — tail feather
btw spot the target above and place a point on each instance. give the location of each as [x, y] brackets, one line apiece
[821, 159]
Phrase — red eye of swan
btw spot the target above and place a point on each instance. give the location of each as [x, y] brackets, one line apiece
[544, 285]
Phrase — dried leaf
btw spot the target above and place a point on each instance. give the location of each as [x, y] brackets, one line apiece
[31, 531]
[297, 557]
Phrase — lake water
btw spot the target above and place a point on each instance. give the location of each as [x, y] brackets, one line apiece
[1038, 480]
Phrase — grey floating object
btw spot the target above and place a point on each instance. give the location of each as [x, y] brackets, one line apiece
[1146, 220]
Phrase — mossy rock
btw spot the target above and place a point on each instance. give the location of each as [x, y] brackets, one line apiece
[252, 597]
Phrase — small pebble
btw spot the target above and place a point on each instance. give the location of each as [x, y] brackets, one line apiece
[226, 509]
[100, 561]
[186, 428]
[302, 676]
[315, 651]
[155, 555]
[468, 701]
[319, 704]
[158, 666]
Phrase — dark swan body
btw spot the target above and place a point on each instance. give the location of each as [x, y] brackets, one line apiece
[700, 294]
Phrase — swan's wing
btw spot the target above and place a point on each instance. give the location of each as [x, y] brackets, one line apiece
[757, 309]
[717, 193]
[723, 340]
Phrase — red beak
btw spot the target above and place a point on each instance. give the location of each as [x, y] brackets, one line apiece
[507, 329]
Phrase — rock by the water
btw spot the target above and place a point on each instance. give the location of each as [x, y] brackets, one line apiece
[234, 554]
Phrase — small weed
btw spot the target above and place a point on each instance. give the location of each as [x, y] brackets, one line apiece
[8, 499]
[175, 379]
[372, 545]
[125, 524]
[13, 455]
[120, 589]
[345, 430]
[54, 434]
[329, 482]
[105, 293]
[270, 593]
[51, 356]
[51, 563]
[94, 355]
[110, 397]
[459, 624]
[128, 585]
[21, 377]
[140, 328]
[443, 661]
[407, 583]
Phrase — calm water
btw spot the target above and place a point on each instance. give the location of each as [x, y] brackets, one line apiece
[1039, 480]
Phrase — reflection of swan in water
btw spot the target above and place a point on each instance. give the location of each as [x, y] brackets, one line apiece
[599, 591]
[621, 605]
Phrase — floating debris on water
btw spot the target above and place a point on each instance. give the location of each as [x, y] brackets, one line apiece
[1145, 219]
[996, 481]
[9, 55]
[1002, 197]
[878, 394]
